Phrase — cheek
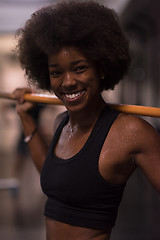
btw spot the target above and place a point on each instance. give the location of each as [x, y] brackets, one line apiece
[51, 82]
[54, 82]
[53, 85]
[96, 82]
[91, 78]
[95, 79]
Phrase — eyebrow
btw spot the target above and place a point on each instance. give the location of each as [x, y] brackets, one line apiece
[72, 63]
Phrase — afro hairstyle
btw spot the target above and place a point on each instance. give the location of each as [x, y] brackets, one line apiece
[87, 25]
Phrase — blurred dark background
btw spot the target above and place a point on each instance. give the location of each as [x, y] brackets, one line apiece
[21, 198]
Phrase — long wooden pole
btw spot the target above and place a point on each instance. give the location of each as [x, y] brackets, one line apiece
[35, 98]
[49, 99]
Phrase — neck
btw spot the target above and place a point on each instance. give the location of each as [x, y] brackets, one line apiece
[87, 117]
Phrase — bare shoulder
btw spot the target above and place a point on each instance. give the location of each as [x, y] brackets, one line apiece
[143, 142]
[131, 124]
[59, 119]
[133, 134]
[131, 142]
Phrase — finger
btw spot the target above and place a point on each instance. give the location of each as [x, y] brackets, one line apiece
[19, 94]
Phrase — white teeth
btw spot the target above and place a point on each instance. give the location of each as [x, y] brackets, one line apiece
[73, 95]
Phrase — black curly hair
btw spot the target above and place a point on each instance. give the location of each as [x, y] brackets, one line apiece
[87, 25]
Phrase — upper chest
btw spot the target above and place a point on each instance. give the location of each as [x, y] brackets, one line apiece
[113, 154]
[70, 143]
[109, 138]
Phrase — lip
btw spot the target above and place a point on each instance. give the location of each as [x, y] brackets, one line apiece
[74, 96]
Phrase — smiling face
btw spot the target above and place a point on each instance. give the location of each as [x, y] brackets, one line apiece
[74, 79]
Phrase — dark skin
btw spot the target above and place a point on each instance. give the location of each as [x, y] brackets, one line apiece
[130, 142]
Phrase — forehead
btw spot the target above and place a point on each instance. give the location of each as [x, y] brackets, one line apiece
[67, 53]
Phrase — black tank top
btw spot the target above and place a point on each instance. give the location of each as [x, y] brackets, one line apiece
[77, 193]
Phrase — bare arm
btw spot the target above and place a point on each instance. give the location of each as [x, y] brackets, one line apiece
[37, 146]
[148, 156]
[131, 142]
[141, 143]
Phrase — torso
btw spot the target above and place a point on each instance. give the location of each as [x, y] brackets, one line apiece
[115, 165]
[61, 231]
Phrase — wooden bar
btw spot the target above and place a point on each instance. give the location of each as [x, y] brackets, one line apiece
[51, 99]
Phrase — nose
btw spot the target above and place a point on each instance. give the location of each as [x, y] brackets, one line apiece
[68, 80]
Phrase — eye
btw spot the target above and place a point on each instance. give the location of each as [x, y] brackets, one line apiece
[81, 69]
[55, 74]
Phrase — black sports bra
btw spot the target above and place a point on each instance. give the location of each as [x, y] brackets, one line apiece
[77, 193]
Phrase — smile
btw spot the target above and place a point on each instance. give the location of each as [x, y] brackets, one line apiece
[72, 96]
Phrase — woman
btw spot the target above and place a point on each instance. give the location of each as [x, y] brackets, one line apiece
[76, 50]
